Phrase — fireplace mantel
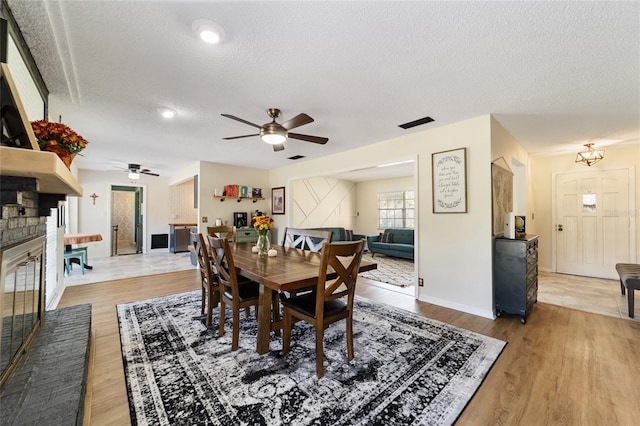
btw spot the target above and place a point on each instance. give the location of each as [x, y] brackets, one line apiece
[52, 175]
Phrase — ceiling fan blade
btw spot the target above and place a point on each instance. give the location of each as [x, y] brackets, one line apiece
[238, 137]
[308, 138]
[297, 121]
[148, 172]
[233, 117]
[278, 147]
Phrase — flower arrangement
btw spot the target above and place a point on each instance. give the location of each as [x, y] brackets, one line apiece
[59, 139]
[262, 223]
[57, 134]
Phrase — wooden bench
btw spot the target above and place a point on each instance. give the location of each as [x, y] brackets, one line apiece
[629, 280]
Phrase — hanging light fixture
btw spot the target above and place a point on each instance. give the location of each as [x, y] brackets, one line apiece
[590, 156]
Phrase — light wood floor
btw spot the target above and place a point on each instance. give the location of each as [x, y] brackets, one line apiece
[564, 367]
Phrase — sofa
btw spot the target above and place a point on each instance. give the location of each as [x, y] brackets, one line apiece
[340, 234]
[397, 242]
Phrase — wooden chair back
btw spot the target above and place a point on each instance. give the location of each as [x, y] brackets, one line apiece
[230, 292]
[306, 239]
[343, 259]
[224, 231]
[209, 280]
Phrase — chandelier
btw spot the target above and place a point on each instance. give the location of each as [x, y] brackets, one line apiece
[590, 156]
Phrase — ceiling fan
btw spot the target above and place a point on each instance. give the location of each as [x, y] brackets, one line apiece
[275, 133]
[135, 171]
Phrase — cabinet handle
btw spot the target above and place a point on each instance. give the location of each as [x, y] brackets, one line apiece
[559, 227]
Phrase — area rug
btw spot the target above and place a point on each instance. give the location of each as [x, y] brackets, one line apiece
[391, 270]
[407, 369]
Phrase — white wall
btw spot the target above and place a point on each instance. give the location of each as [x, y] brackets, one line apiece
[215, 175]
[323, 202]
[505, 146]
[454, 250]
[543, 169]
[97, 218]
[367, 201]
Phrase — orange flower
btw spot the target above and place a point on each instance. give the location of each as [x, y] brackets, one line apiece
[49, 133]
[262, 223]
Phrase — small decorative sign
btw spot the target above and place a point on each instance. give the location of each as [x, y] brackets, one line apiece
[449, 181]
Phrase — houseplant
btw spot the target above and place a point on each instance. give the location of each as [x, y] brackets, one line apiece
[262, 224]
[59, 139]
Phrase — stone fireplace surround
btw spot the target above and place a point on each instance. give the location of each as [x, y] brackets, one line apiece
[49, 382]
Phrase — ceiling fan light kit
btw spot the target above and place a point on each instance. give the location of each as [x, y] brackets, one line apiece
[167, 112]
[134, 171]
[276, 134]
[590, 156]
[208, 31]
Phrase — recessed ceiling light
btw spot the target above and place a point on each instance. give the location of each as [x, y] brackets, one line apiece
[208, 31]
[167, 112]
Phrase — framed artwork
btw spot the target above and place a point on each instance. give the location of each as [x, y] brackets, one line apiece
[277, 200]
[449, 181]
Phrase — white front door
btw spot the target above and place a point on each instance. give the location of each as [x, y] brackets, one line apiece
[592, 222]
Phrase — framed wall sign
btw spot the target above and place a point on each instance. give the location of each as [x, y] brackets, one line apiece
[450, 181]
[277, 200]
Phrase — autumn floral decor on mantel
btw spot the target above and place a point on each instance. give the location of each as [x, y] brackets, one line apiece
[59, 139]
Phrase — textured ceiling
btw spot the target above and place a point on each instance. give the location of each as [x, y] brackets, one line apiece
[556, 75]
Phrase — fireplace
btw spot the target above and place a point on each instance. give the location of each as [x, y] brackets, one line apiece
[21, 300]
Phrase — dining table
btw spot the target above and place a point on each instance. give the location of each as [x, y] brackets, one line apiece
[70, 239]
[290, 269]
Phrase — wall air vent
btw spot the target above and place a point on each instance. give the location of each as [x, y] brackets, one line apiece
[417, 122]
[296, 157]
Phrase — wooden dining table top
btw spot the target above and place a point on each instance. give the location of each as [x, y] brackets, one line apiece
[81, 238]
[290, 269]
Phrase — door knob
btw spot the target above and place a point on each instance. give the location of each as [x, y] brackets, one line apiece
[559, 227]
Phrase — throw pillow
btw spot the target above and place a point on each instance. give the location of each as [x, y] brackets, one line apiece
[379, 238]
[348, 234]
[387, 237]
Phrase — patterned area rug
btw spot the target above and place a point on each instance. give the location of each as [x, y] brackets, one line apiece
[392, 270]
[407, 369]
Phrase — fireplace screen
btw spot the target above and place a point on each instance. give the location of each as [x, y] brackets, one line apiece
[21, 300]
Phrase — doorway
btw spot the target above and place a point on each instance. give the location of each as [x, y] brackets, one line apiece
[593, 227]
[127, 233]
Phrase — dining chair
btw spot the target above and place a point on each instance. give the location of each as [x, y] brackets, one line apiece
[327, 304]
[210, 286]
[235, 293]
[222, 231]
[306, 239]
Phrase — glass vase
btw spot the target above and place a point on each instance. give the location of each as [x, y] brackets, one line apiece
[263, 243]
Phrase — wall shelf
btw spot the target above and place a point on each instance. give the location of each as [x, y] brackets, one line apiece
[238, 199]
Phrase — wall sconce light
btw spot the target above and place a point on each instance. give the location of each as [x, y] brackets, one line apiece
[590, 156]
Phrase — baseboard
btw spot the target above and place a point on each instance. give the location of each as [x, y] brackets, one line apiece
[458, 307]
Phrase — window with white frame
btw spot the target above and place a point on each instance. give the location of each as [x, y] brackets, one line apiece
[396, 209]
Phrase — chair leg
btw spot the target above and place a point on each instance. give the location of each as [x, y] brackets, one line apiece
[349, 338]
[222, 311]
[204, 295]
[286, 332]
[630, 302]
[209, 307]
[236, 329]
[319, 351]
